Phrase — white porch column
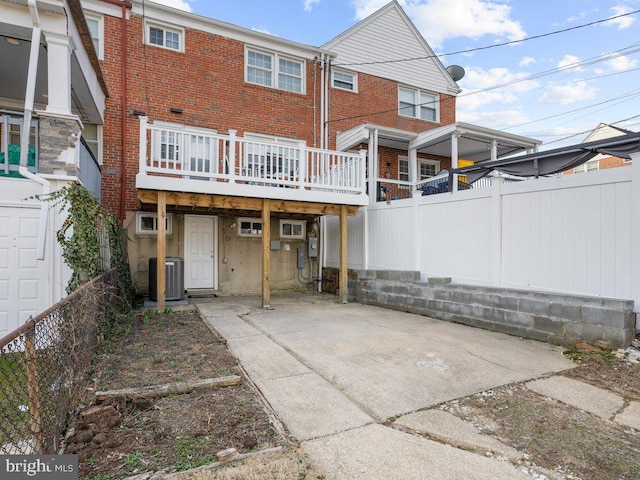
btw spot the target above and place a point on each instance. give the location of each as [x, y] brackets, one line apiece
[59, 49]
[413, 167]
[374, 167]
[494, 150]
[454, 158]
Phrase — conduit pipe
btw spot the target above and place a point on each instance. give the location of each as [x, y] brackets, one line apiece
[123, 117]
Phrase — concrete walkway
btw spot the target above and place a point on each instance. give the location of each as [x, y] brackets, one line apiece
[339, 375]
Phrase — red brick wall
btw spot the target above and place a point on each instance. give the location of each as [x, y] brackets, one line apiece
[377, 102]
[207, 83]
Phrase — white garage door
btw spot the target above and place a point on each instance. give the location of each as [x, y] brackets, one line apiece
[24, 281]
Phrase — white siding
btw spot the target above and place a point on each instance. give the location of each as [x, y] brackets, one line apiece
[355, 241]
[389, 36]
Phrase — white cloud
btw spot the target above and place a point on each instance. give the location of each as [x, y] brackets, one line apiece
[621, 63]
[179, 4]
[308, 4]
[567, 93]
[478, 94]
[439, 20]
[622, 22]
[577, 17]
[569, 62]
[494, 119]
[480, 79]
[526, 61]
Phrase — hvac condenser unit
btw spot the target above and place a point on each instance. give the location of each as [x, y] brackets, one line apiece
[174, 278]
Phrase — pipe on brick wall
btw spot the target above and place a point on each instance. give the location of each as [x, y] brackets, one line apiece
[123, 117]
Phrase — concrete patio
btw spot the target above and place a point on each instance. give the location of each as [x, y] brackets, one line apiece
[339, 375]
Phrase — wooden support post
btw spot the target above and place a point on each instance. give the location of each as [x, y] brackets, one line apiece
[266, 253]
[344, 276]
[34, 390]
[162, 248]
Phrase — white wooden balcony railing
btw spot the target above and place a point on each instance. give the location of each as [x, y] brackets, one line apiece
[200, 161]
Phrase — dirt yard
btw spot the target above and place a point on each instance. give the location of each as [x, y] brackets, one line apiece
[564, 441]
[118, 439]
[179, 432]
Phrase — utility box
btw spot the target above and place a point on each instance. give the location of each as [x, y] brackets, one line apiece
[313, 247]
[174, 278]
[300, 257]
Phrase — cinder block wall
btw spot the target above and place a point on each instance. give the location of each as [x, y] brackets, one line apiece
[555, 318]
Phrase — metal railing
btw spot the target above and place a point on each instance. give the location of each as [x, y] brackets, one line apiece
[44, 365]
[191, 153]
[89, 170]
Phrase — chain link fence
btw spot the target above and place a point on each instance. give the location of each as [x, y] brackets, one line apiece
[44, 366]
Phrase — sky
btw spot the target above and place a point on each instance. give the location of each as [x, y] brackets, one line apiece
[556, 88]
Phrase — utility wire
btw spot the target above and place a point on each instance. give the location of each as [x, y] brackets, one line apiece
[631, 94]
[486, 47]
[633, 48]
[567, 137]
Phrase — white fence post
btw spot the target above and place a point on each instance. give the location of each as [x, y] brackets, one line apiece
[635, 235]
[496, 230]
[303, 167]
[232, 156]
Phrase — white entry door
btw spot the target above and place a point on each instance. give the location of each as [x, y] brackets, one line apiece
[200, 251]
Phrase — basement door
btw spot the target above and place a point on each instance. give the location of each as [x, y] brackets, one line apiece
[200, 252]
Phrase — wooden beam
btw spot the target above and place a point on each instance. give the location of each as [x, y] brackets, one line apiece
[209, 202]
[161, 249]
[344, 276]
[266, 253]
[164, 390]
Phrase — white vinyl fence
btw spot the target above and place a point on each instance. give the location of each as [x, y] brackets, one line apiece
[571, 234]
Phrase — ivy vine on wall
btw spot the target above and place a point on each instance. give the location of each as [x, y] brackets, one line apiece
[91, 238]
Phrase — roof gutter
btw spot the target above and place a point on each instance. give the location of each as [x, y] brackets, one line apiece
[26, 128]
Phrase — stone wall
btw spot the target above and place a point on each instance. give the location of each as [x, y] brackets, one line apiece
[58, 139]
[555, 318]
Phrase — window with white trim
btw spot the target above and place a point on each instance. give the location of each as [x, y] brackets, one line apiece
[344, 80]
[418, 104]
[292, 229]
[589, 166]
[274, 70]
[96, 30]
[427, 168]
[403, 169]
[92, 134]
[249, 227]
[165, 36]
[147, 223]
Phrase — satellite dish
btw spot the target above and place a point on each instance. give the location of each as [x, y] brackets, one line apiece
[456, 72]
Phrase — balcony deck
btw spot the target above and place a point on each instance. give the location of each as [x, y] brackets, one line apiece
[200, 161]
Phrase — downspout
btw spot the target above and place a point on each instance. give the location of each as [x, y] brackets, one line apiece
[123, 116]
[315, 103]
[322, 56]
[326, 101]
[26, 129]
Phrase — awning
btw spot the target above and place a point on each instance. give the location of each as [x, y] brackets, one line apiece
[557, 160]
